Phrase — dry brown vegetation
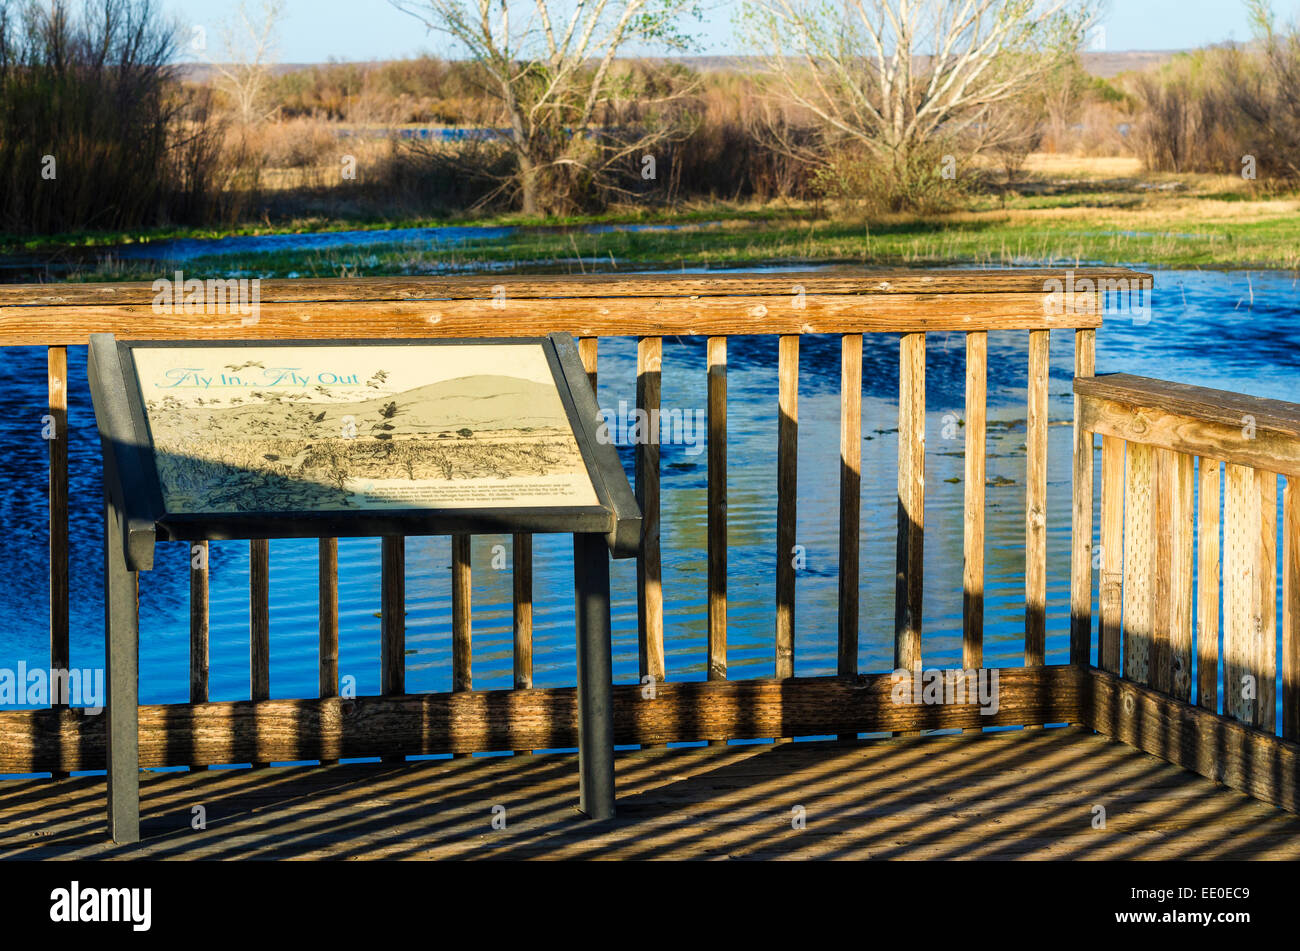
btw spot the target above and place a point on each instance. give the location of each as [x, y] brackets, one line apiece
[140, 146]
[738, 142]
[1225, 110]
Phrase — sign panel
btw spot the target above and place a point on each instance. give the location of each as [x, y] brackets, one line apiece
[352, 427]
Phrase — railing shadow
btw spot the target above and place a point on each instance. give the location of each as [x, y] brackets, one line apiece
[1031, 795]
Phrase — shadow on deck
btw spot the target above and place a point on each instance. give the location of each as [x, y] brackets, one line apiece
[1014, 794]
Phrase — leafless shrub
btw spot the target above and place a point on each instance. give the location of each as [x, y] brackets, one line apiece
[1228, 109]
[95, 132]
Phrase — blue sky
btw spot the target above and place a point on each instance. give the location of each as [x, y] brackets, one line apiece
[316, 30]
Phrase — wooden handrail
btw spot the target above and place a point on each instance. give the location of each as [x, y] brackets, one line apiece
[525, 317]
[646, 307]
[1160, 441]
[57, 298]
[640, 305]
[1247, 430]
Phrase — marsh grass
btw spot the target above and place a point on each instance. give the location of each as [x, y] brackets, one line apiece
[1066, 209]
[1021, 237]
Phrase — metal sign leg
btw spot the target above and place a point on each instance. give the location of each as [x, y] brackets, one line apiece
[121, 623]
[595, 677]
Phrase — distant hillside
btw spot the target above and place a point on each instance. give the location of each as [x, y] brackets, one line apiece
[478, 402]
[1104, 64]
[1108, 65]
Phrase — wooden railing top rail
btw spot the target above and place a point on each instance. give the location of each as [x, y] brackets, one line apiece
[1246, 430]
[596, 305]
[839, 281]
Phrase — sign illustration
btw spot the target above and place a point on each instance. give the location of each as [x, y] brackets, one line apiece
[345, 428]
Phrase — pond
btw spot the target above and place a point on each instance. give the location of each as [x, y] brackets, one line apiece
[1228, 330]
[179, 250]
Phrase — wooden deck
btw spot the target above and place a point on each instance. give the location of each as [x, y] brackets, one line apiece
[1015, 794]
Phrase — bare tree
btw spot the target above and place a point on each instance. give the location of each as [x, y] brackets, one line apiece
[248, 49]
[893, 75]
[550, 66]
[1063, 93]
[1009, 130]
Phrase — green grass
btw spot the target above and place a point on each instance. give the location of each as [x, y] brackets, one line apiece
[1073, 215]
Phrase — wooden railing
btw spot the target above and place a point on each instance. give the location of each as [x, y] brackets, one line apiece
[910, 303]
[1189, 533]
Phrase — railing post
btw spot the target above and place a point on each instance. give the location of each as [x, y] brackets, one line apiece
[392, 612]
[57, 377]
[589, 354]
[850, 499]
[649, 582]
[1110, 590]
[522, 602]
[1266, 634]
[1139, 560]
[1085, 365]
[1036, 501]
[259, 621]
[1181, 554]
[328, 622]
[1291, 609]
[1171, 659]
[1241, 587]
[1162, 571]
[910, 560]
[1209, 495]
[787, 483]
[972, 602]
[462, 674]
[717, 508]
[200, 552]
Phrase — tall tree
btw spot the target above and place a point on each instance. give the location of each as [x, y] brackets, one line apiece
[892, 75]
[248, 50]
[550, 66]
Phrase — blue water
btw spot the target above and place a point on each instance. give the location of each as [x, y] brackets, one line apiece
[184, 249]
[1205, 329]
[178, 250]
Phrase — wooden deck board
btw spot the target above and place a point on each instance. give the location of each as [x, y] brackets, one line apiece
[1013, 794]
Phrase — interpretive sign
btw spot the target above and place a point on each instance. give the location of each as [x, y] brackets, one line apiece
[329, 438]
[335, 428]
